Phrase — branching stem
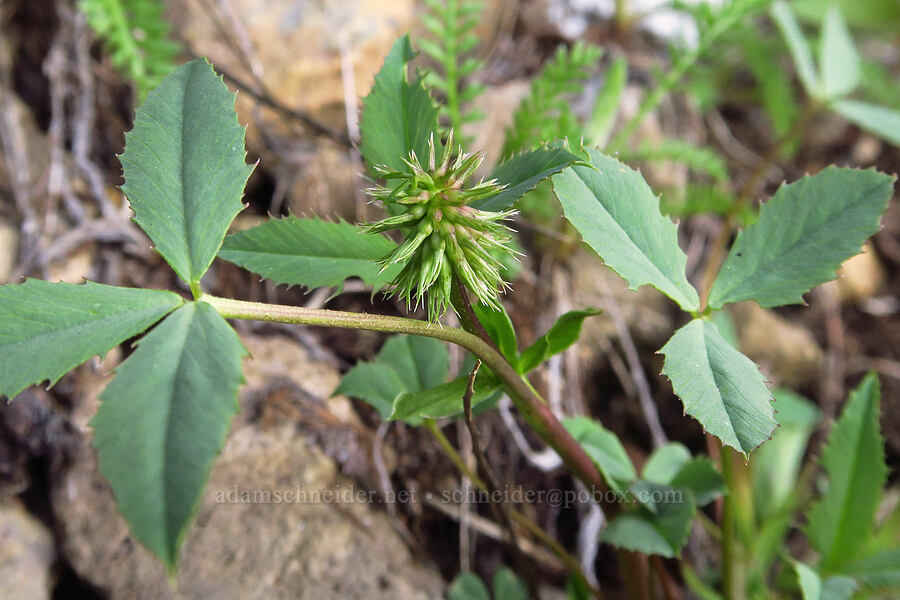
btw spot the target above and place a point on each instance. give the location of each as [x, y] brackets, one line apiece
[528, 402]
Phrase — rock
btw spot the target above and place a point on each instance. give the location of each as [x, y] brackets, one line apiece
[9, 244]
[75, 267]
[245, 544]
[786, 351]
[26, 554]
[861, 277]
[297, 46]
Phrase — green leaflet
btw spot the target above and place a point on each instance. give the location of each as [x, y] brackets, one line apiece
[802, 236]
[803, 60]
[878, 120]
[562, 334]
[445, 400]
[404, 364]
[854, 460]
[468, 586]
[310, 252]
[813, 587]
[672, 465]
[605, 450]
[839, 60]
[719, 386]
[47, 329]
[507, 586]
[500, 329]
[398, 117]
[521, 174]
[163, 420]
[420, 362]
[618, 216]
[658, 527]
[184, 167]
[665, 462]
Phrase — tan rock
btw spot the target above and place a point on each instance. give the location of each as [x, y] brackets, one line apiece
[26, 554]
[861, 277]
[73, 268]
[297, 47]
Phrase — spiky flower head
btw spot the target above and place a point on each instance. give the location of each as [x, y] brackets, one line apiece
[445, 237]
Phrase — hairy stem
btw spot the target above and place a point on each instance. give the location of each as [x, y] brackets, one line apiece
[527, 401]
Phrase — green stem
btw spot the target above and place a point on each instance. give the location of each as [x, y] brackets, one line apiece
[529, 404]
[671, 79]
[733, 575]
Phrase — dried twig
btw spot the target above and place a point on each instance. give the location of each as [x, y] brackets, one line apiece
[642, 387]
[500, 509]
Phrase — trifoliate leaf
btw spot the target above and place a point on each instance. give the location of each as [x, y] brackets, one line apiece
[404, 364]
[48, 329]
[397, 116]
[854, 460]
[719, 386]
[310, 252]
[663, 530]
[163, 420]
[673, 465]
[184, 167]
[618, 216]
[802, 236]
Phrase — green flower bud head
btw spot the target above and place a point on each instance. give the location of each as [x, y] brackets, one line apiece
[444, 236]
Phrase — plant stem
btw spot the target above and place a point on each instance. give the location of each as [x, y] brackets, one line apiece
[536, 530]
[733, 576]
[527, 401]
[671, 79]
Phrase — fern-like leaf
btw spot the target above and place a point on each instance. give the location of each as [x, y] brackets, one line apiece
[700, 159]
[451, 23]
[135, 34]
[546, 113]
